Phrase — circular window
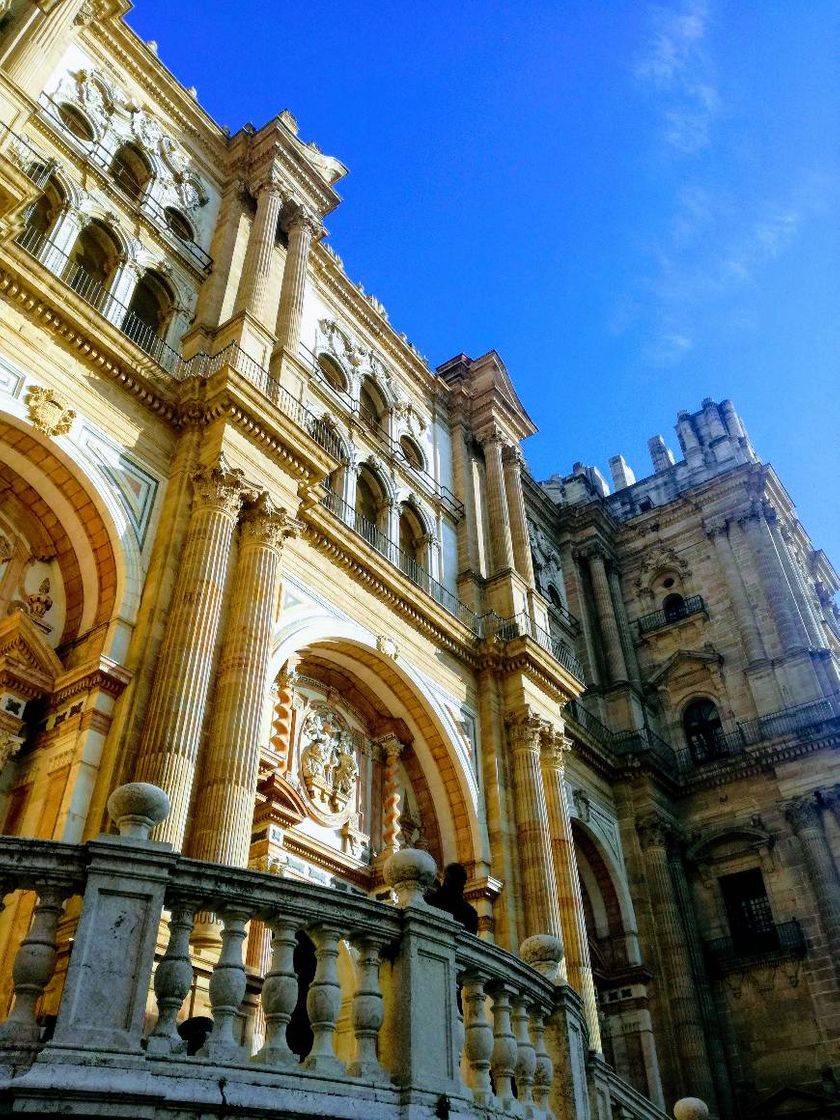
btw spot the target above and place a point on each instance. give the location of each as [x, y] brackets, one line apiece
[669, 582]
[178, 224]
[76, 122]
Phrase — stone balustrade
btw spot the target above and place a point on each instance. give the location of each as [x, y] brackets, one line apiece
[383, 1005]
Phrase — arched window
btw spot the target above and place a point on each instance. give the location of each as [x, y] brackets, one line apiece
[412, 544]
[674, 607]
[150, 310]
[76, 122]
[178, 224]
[703, 731]
[370, 497]
[371, 405]
[42, 214]
[332, 373]
[554, 597]
[92, 263]
[413, 454]
[130, 170]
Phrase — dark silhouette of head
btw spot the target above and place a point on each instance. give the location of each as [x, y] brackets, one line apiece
[455, 876]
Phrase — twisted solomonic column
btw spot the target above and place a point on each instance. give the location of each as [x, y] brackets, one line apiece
[536, 860]
[391, 749]
[555, 748]
[175, 718]
[224, 813]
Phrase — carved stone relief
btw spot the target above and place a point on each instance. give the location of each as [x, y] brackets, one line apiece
[329, 768]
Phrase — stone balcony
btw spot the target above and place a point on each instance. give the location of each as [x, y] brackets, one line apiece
[384, 1005]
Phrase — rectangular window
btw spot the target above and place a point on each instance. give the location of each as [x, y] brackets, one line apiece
[748, 911]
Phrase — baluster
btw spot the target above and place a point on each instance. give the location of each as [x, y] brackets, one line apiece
[368, 1013]
[323, 1001]
[173, 980]
[279, 996]
[504, 1046]
[544, 1068]
[478, 1038]
[227, 989]
[526, 1058]
[33, 968]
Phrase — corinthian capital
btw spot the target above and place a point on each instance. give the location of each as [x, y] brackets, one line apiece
[219, 486]
[653, 830]
[9, 746]
[555, 747]
[804, 813]
[716, 527]
[513, 454]
[525, 730]
[302, 219]
[266, 526]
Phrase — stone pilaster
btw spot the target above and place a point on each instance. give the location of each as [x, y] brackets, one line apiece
[301, 227]
[536, 861]
[623, 623]
[796, 580]
[693, 1073]
[256, 275]
[607, 623]
[224, 813]
[793, 637]
[173, 726]
[578, 964]
[468, 553]
[41, 34]
[805, 817]
[512, 464]
[718, 534]
[501, 543]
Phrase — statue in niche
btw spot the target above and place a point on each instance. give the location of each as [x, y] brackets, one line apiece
[328, 763]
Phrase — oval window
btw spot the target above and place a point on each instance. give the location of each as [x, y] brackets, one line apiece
[178, 224]
[76, 122]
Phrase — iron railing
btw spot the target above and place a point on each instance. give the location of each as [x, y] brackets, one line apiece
[642, 740]
[589, 722]
[36, 166]
[407, 564]
[657, 619]
[390, 446]
[781, 941]
[131, 189]
[522, 625]
[787, 721]
[561, 616]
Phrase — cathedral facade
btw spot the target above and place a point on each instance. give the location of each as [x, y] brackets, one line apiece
[256, 554]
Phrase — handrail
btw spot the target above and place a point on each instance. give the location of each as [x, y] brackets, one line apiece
[781, 940]
[36, 166]
[787, 720]
[522, 625]
[656, 620]
[136, 193]
[407, 564]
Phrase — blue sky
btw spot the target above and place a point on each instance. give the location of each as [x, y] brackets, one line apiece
[635, 204]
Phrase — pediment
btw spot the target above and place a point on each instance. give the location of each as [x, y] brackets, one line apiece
[681, 663]
[25, 659]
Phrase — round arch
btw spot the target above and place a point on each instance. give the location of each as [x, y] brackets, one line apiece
[445, 768]
[599, 868]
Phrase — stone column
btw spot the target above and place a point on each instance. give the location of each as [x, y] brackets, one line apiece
[391, 749]
[578, 964]
[501, 544]
[536, 860]
[718, 534]
[610, 636]
[804, 601]
[627, 647]
[468, 553]
[174, 722]
[302, 226]
[791, 630]
[806, 820]
[256, 275]
[689, 1043]
[224, 814]
[282, 720]
[512, 459]
[42, 32]
[114, 302]
[580, 608]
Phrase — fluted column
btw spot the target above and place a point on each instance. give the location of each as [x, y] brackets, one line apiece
[627, 647]
[695, 1077]
[805, 817]
[578, 963]
[42, 32]
[501, 544]
[610, 636]
[224, 813]
[535, 857]
[174, 722]
[256, 275]
[791, 630]
[512, 460]
[468, 554]
[718, 534]
[301, 227]
[804, 601]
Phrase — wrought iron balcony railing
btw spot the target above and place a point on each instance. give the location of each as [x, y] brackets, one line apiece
[134, 192]
[522, 625]
[23, 155]
[780, 941]
[656, 620]
[787, 721]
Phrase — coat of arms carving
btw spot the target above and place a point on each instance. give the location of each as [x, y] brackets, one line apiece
[49, 412]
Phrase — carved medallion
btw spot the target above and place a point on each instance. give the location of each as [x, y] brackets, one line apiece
[329, 768]
[49, 412]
